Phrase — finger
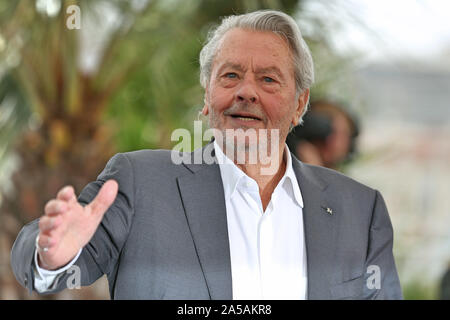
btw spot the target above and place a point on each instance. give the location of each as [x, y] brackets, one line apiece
[54, 207]
[45, 242]
[104, 198]
[47, 223]
[66, 194]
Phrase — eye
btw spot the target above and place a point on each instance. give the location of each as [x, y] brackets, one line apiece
[231, 75]
[268, 79]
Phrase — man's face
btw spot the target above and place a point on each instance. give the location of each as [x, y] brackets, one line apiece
[252, 84]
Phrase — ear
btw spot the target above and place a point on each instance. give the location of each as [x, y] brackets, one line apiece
[301, 105]
[205, 109]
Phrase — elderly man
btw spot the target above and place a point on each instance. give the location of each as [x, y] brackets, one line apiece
[222, 230]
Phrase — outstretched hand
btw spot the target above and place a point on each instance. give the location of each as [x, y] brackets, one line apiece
[67, 226]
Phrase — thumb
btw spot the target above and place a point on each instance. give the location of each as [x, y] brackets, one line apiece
[104, 198]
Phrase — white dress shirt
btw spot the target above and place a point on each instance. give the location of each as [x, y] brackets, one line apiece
[267, 249]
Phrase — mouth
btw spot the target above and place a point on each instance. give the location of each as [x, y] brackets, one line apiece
[245, 116]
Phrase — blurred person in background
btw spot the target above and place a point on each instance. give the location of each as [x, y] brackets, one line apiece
[327, 137]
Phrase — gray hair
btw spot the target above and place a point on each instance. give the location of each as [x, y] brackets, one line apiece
[263, 20]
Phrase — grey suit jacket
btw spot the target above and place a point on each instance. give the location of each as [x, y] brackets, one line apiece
[165, 236]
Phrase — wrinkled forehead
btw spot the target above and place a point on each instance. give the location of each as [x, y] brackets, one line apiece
[268, 42]
[265, 48]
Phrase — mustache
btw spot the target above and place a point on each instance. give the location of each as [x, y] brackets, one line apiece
[245, 107]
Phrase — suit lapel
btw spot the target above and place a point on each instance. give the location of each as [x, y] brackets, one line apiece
[320, 231]
[204, 204]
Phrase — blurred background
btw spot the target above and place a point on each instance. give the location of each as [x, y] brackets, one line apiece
[71, 98]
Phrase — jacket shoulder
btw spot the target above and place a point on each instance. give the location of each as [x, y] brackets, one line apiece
[156, 162]
[333, 178]
[148, 155]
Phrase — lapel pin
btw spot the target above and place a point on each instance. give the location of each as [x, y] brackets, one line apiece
[329, 210]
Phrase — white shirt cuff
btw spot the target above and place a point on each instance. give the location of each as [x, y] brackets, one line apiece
[45, 279]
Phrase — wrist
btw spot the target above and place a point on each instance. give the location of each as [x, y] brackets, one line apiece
[42, 264]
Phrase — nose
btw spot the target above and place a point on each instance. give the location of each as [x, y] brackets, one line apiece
[247, 92]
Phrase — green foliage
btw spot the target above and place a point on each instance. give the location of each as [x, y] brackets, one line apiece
[416, 290]
[14, 111]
